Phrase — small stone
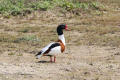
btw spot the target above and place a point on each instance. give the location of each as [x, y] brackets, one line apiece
[91, 64]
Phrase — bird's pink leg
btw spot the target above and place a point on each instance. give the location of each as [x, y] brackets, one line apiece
[54, 59]
[50, 58]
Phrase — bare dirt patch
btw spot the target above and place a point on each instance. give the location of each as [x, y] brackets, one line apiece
[81, 62]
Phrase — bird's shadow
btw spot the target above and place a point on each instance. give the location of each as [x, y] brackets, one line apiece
[44, 62]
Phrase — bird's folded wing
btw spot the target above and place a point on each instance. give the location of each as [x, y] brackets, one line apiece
[46, 48]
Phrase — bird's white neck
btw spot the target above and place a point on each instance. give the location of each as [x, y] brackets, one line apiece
[62, 38]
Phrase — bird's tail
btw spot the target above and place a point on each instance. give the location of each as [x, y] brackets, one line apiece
[38, 55]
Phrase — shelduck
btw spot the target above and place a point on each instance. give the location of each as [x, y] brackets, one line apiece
[54, 48]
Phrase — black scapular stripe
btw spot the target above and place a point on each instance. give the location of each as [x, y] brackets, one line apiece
[52, 46]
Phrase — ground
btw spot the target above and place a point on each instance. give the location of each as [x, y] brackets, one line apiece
[77, 63]
[89, 54]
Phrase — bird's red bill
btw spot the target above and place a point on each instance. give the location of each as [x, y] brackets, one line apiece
[66, 28]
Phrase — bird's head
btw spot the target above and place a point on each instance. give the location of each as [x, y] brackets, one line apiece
[63, 27]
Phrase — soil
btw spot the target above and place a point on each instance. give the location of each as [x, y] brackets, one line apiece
[77, 63]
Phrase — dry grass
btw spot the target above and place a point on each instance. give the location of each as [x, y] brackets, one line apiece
[6, 37]
[101, 40]
[100, 30]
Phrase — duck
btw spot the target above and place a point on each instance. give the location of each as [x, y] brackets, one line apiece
[54, 48]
